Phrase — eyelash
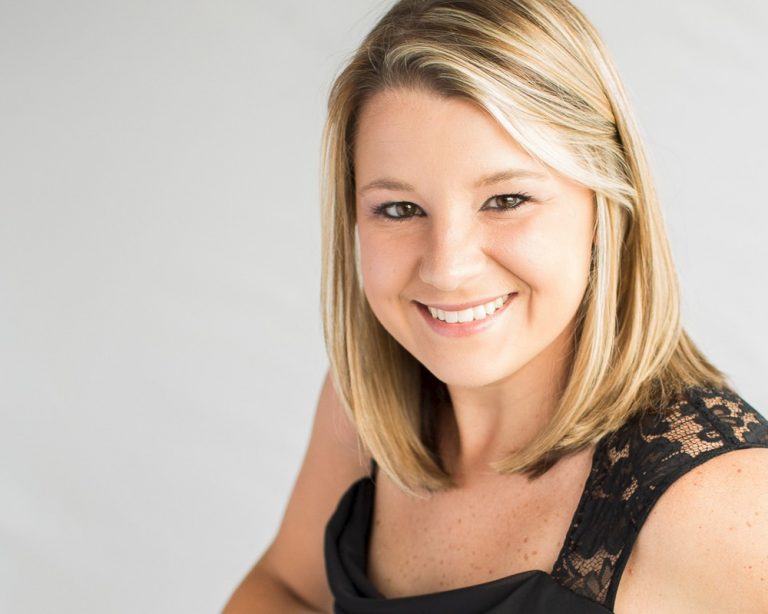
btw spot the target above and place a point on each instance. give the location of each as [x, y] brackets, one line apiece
[381, 210]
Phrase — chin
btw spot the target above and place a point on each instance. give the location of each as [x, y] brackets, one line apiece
[470, 373]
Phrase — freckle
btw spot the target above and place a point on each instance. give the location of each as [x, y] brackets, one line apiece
[458, 521]
[490, 572]
[525, 557]
[738, 470]
[533, 553]
[508, 544]
[749, 524]
[525, 541]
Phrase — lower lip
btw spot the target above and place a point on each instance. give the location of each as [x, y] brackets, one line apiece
[462, 329]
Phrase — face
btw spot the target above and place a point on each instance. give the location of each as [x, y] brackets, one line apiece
[474, 256]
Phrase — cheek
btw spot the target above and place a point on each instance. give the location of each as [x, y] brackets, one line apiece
[383, 267]
[551, 257]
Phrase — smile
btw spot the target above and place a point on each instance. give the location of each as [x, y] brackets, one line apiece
[468, 320]
[477, 312]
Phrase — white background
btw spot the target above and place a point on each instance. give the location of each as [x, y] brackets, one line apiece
[160, 339]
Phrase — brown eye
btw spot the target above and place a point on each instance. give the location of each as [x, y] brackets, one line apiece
[397, 211]
[507, 201]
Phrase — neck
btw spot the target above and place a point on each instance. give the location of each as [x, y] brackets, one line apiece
[487, 423]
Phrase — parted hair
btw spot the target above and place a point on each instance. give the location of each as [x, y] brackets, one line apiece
[539, 68]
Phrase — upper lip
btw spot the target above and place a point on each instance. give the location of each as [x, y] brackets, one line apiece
[461, 306]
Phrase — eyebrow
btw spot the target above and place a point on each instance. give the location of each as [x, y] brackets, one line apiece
[385, 183]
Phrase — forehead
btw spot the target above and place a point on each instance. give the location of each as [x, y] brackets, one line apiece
[405, 131]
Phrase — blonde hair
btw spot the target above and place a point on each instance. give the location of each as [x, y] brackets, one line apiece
[539, 68]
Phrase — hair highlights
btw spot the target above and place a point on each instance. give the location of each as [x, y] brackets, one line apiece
[539, 68]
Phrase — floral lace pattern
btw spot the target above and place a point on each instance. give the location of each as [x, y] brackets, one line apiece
[633, 467]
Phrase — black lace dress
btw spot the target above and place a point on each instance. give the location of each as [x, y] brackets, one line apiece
[631, 469]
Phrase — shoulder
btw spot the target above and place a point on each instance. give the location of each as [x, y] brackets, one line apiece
[704, 544]
[715, 415]
[659, 445]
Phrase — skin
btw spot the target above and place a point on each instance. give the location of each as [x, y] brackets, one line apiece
[458, 244]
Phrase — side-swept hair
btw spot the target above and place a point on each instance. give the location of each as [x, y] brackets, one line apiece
[539, 68]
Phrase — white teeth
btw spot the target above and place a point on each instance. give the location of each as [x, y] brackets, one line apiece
[478, 312]
[466, 315]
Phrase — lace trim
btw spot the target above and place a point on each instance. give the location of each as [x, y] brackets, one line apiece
[632, 469]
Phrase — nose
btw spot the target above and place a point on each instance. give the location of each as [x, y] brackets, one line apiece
[453, 254]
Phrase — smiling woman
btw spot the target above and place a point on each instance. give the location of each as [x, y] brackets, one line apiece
[502, 319]
[454, 243]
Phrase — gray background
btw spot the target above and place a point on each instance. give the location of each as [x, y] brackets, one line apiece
[160, 340]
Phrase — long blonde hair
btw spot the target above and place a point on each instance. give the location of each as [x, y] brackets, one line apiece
[539, 68]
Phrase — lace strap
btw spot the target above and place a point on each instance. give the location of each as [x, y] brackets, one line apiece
[634, 467]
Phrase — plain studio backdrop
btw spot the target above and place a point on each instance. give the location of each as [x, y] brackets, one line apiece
[160, 337]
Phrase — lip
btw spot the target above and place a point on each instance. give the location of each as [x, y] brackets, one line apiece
[461, 306]
[463, 329]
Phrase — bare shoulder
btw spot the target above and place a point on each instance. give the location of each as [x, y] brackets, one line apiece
[704, 545]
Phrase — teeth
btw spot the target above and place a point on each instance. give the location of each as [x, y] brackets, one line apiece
[479, 312]
[466, 315]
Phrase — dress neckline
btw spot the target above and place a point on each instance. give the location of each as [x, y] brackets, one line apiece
[368, 486]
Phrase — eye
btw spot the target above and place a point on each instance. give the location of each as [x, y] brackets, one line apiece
[398, 211]
[507, 202]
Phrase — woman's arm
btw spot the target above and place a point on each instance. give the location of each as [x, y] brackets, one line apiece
[262, 591]
[290, 575]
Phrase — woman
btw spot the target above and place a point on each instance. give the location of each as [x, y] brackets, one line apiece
[502, 319]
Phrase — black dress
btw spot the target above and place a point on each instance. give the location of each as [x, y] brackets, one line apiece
[631, 469]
